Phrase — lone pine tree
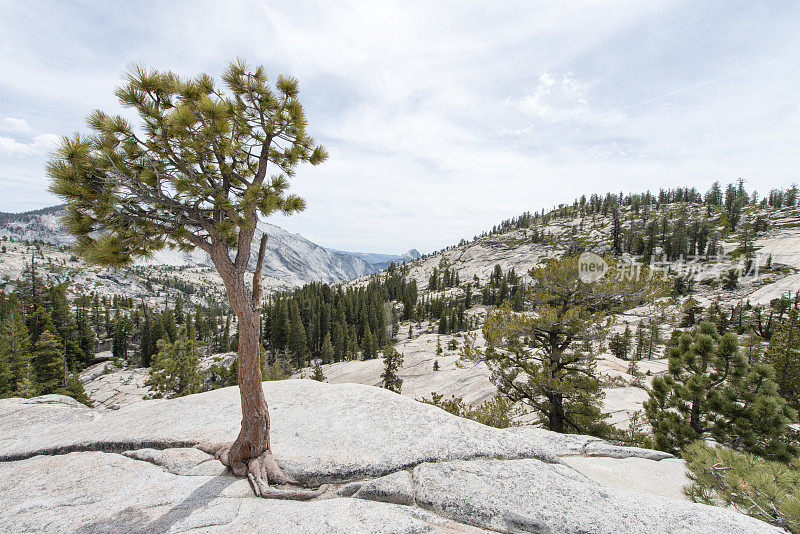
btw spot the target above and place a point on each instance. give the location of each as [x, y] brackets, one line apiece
[545, 361]
[711, 390]
[392, 362]
[196, 172]
[176, 370]
[318, 374]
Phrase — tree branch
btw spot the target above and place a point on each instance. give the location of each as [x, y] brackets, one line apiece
[262, 248]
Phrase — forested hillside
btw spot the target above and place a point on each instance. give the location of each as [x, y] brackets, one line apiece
[693, 333]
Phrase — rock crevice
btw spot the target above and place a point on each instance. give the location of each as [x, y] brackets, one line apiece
[411, 468]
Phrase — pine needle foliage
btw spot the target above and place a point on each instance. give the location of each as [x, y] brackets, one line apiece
[769, 491]
[175, 369]
[392, 362]
[710, 390]
[191, 172]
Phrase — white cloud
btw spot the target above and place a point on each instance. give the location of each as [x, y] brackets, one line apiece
[556, 97]
[44, 143]
[14, 125]
[443, 118]
[41, 145]
[12, 147]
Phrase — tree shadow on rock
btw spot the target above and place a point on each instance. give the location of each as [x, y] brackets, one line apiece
[133, 520]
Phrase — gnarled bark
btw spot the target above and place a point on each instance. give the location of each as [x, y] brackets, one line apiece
[250, 454]
[253, 440]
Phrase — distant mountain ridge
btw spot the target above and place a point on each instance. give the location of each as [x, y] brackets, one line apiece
[290, 258]
[43, 224]
[382, 261]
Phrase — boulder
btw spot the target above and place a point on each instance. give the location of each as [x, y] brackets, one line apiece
[320, 432]
[531, 496]
[664, 478]
[395, 465]
[572, 444]
[95, 493]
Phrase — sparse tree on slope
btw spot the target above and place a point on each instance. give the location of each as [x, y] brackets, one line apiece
[556, 374]
[392, 361]
[318, 375]
[175, 371]
[74, 388]
[196, 172]
[48, 364]
[620, 344]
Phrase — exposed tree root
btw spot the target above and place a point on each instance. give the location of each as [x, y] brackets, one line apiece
[261, 471]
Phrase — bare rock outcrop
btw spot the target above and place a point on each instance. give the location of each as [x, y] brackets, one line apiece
[394, 465]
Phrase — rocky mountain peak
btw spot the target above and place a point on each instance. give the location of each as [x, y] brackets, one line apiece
[291, 259]
[412, 254]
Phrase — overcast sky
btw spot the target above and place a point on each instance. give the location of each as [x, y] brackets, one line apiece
[441, 118]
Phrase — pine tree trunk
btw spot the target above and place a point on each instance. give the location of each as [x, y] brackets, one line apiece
[557, 413]
[694, 418]
[253, 439]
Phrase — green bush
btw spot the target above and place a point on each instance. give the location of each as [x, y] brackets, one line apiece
[498, 412]
[766, 490]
